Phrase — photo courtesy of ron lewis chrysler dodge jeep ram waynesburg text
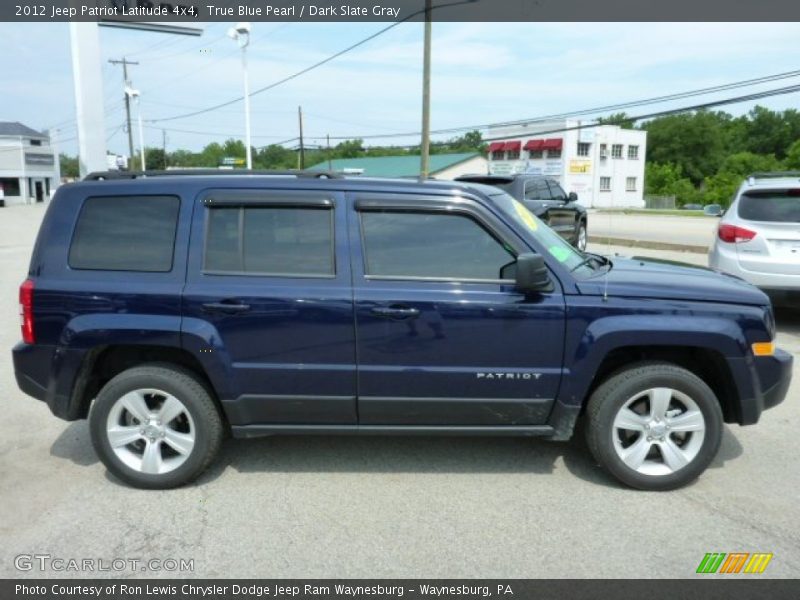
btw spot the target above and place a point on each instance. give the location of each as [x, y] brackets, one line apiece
[174, 308]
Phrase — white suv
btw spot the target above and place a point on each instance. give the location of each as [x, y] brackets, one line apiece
[758, 238]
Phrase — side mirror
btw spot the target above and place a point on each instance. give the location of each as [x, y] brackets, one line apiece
[532, 274]
[572, 197]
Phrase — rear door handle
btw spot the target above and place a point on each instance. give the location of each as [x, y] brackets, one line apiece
[395, 312]
[225, 307]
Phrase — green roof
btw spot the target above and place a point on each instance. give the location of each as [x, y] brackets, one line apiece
[394, 166]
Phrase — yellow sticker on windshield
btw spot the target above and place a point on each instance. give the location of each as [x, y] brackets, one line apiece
[526, 216]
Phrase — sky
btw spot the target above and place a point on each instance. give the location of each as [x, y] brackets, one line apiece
[482, 73]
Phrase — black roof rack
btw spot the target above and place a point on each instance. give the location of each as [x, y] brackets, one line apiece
[773, 174]
[116, 175]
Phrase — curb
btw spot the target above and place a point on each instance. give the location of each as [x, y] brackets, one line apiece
[629, 243]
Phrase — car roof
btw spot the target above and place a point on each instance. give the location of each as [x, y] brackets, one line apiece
[282, 180]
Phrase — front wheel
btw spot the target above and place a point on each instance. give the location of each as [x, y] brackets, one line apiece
[654, 426]
[155, 426]
[581, 237]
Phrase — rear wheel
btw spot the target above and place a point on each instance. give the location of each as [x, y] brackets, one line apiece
[654, 426]
[155, 426]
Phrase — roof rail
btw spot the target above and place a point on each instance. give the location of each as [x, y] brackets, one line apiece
[773, 174]
[117, 175]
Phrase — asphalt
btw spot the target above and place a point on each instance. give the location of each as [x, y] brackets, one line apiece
[655, 232]
[290, 507]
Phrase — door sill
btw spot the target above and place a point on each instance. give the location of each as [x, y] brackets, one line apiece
[250, 431]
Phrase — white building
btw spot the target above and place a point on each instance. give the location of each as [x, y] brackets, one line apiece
[604, 165]
[28, 168]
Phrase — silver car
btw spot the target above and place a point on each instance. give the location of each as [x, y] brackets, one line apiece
[758, 238]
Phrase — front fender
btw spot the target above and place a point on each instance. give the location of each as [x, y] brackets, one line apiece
[585, 353]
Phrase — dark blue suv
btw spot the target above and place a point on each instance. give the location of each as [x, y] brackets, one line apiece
[173, 309]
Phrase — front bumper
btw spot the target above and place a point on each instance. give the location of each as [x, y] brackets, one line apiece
[762, 383]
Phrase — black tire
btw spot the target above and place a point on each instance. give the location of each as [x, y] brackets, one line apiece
[191, 392]
[614, 393]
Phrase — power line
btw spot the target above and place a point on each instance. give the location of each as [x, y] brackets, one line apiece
[777, 91]
[309, 68]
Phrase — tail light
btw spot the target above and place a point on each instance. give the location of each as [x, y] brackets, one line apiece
[26, 311]
[734, 234]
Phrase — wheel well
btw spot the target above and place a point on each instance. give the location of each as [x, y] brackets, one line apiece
[708, 365]
[104, 363]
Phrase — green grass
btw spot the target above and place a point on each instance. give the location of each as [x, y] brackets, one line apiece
[652, 211]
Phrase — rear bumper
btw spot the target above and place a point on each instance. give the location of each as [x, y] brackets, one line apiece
[48, 375]
[727, 260]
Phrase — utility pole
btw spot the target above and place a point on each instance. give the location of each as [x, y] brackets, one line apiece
[127, 84]
[328, 140]
[425, 146]
[302, 147]
[164, 146]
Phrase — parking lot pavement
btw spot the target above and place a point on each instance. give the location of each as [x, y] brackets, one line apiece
[690, 231]
[386, 507]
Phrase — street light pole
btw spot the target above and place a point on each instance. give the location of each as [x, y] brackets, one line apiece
[132, 93]
[241, 33]
[425, 148]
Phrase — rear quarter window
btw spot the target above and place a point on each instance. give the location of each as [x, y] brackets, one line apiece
[780, 206]
[125, 233]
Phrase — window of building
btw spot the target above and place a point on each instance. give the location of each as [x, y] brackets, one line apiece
[498, 155]
[633, 152]
[36, 142]
[431, 245]
[630, 184]
[536, 154]
[10, 186]
[270, 241]
[125, 233]
[616, 151]
[603, 151]
[554, 153]
[605, 184]
[583, 148]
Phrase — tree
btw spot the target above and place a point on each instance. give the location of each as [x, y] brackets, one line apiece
[668, 180]
[694, 141]
[69, 166]
[793, 156]
[771, 132]
[621, 119]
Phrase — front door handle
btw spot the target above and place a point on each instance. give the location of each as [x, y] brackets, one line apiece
[395, 312]
[225, 307]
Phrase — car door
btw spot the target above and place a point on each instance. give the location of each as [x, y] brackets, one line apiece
[562, 213]
[537, 198]
[268, 305]
[442, 338]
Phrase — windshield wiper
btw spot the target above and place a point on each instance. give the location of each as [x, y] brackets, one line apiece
[591, 258]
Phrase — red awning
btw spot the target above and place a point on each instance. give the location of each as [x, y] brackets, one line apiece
[496, 146]
[513, 146]
[534, 144]
[553, 144]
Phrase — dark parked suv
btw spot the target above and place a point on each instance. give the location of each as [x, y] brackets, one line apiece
[172, 309]
[546, 199]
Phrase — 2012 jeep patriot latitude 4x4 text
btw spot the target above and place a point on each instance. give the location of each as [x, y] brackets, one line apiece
[171, 309]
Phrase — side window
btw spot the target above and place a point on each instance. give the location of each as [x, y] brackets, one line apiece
[125, 233]
[270, 241]
[557, 192]
[431, 245]
[537, 190]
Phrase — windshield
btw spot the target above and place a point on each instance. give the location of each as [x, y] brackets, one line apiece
[557, 246]
[772, 206]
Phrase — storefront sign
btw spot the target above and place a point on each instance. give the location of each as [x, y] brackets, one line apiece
[43, 160]
[578, 166]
